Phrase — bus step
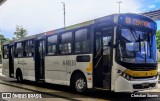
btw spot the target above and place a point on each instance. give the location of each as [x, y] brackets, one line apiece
[40, 81]
[105, 84]
[101, 88]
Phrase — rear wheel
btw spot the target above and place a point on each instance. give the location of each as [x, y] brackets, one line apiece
[80, 83]
[19, 76]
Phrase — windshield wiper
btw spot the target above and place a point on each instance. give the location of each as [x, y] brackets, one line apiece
[145, 52]
[139, 39]
[133, 30]
[150, 45]
[139, 44]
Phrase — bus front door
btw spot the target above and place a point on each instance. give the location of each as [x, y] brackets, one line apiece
[39, 60]
[11, 61]
[103, 58]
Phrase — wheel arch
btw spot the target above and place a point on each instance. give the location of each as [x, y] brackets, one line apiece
[74, 73]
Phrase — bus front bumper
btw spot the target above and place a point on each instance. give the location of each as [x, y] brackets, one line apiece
[124, 85]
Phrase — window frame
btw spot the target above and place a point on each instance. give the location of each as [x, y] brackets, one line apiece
[89, 38]
[16, 51]
[57, 43]
[30, 47]
[64, 43]
[7, 45]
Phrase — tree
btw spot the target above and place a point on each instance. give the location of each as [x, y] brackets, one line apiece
[3, 39]
[158, 39]
[20, 32]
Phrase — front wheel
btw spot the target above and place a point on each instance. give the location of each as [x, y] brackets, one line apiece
[80, 84]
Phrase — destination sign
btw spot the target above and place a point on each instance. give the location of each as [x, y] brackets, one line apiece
[137, 20]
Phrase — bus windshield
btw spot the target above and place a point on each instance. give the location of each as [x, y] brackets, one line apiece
[137, 46]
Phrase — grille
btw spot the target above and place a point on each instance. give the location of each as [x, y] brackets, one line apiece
[140, 86]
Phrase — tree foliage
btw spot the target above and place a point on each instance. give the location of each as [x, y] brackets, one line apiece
[158, 39]
[20, 32]
[3, 39]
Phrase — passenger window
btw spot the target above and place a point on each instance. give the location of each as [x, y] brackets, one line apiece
[82, 41]
[29, 48]
[5, 52]
[65, 43]
[52, 43]
[19, 50]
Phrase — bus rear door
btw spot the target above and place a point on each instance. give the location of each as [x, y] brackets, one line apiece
[11, 60]
[39, 59]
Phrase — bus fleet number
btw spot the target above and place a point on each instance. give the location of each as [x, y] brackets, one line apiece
[69, 62]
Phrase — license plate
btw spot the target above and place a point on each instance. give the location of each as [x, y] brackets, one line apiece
[145, 84]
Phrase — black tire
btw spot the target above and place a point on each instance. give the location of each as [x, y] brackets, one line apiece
[79, 83]
[19, 76]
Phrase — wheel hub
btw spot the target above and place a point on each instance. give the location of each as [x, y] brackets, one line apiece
[80, 84]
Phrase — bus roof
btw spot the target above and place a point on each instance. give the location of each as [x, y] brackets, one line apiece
[26, 38]
[83, 24]
[109, 19]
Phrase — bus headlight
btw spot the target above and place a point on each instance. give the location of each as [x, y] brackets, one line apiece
[124, 75]
[128, 77]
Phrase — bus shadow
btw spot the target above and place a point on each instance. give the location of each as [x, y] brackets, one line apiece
[94, 93]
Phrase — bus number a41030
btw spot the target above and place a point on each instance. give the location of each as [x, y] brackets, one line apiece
[69, 62]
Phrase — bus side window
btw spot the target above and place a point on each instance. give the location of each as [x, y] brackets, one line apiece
[65, 46]
[19, 49]
[29, 48]
[82, 41]
[52, 45]
[5, 52]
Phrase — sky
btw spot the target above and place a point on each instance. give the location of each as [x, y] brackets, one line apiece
[39, 16]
